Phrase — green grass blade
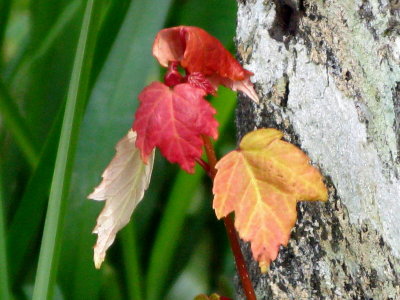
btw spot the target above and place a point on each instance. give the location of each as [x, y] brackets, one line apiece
[5, 7]
[17, 126]
[178, 202]
[200, 12]
[113, 20]
[30, 214]
[168, 233]
[29, 57]
[77, 93]
[131, 262]
[54, 32]
[111, 284]
[5, 293]
[44, 57]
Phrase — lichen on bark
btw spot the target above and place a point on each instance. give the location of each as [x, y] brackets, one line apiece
[328, 73]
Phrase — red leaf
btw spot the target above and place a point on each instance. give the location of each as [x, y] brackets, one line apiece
[174, 120]
[197, 51]
[198, 80]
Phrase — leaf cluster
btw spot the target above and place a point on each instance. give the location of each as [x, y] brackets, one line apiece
[260, 182]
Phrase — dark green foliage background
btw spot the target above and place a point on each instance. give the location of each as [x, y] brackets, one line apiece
[173, 248]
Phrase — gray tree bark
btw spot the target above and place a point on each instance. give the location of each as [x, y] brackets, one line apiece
[328, 74]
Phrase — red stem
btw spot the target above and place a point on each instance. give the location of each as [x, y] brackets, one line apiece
[240, 262]
[229, 226]
[212, 158]
[204, 165]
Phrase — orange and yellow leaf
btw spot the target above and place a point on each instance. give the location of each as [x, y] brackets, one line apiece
[261, 183]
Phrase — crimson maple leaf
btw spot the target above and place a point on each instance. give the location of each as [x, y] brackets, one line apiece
[173, 119]
[199, 52]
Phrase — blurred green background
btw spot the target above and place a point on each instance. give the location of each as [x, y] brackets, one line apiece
[70, 73]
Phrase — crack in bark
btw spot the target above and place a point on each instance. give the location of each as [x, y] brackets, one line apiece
[287, 18]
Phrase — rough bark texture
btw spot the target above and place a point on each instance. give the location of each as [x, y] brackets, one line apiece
[328, 73]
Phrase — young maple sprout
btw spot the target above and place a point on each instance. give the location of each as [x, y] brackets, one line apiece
[172, 117]
[260, 182]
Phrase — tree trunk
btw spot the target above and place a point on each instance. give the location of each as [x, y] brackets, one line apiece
[328, 74]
